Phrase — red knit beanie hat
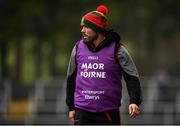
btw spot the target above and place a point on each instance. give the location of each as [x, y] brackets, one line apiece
[97, 19]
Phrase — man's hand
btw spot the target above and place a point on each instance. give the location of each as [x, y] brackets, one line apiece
[133, 110]
[72, 116]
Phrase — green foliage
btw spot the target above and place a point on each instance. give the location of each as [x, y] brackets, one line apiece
[48, 31]
[11, 58]
[28, 68]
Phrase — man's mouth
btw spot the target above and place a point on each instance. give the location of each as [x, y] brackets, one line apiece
[85, 36]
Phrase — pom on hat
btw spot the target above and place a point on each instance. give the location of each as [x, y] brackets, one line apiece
[103, 9]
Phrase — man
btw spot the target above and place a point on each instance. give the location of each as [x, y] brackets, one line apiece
[95, 70]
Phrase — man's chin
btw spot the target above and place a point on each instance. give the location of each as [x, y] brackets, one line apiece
[85, 40]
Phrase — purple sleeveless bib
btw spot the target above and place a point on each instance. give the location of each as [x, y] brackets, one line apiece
[98, 81]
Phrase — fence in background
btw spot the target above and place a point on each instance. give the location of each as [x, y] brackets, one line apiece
[161, 101]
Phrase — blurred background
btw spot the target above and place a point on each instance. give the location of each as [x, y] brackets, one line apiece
[36, 39]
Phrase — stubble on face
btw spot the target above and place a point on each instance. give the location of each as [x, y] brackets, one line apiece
[89, 35]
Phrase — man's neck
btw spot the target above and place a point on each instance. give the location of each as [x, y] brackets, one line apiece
[99, 39]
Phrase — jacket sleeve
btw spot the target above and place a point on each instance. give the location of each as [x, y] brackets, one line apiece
[70, 80]
[130, 74]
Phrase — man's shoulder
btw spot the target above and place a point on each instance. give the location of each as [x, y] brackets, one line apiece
[118, 46]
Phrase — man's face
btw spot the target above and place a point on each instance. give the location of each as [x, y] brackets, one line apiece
[88, 34]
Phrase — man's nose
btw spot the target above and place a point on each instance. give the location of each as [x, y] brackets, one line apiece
[83, 30]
